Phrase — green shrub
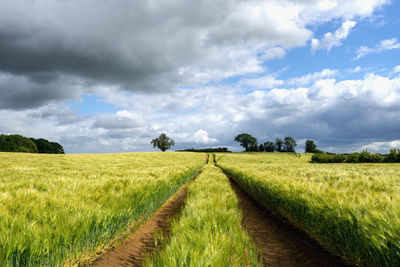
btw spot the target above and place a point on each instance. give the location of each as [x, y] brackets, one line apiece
[366, 157]
[320, 158]
[353, 158]
[338, 158]
[393, 156]
[363, 157]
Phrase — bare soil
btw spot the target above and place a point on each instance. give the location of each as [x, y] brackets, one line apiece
[280, 242]
[132, 251]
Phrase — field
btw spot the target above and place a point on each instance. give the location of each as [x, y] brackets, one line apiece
[351, 209]
[209, 231]
[65, 209]
[59, 208]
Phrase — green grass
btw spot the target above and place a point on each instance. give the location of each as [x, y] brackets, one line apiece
[209, 231]
[59, 208]
[351, 209]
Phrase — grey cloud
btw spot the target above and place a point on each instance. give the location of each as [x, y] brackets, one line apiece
[148, 46]
[62, 115]
[22, 92]
[136, 44]
[109, 121]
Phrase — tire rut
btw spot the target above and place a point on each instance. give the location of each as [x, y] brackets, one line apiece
[281, 243]
[133, 250]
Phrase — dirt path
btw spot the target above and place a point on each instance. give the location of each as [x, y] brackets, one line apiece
[142, 242]
[281, 243]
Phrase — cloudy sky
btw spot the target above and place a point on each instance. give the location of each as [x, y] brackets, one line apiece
[108, 76]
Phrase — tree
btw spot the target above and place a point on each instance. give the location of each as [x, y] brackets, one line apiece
[289, 144]
[269, 147]
[310, 147]
[261, 148]
[57, 148]
[17, 143]
[163, 142]
[247, 141]
[45, 146]
[278, 144]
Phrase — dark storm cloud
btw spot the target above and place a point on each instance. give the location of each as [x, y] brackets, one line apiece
[24, 92]
[139, 44]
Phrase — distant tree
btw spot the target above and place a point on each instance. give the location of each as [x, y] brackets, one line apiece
[163, 142]
[393, 156]
[278, 144]
[253, 147]
[261, 148]
[269, 146]
[57, 148]
[17, 143]
[247, 141]
[43, 145]
[310, 147]
[289, 144]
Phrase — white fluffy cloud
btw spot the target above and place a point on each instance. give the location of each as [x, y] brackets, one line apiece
[264, 82]
[333, 39]
[382, 146]
[201, 137]
[340, 115]
[384, 45]
[274, 52]
[312, 77]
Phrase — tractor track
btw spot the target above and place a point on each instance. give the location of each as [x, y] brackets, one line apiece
[134, 249]
[281, 243]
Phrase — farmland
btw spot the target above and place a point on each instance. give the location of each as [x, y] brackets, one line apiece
[65, 209]
[59, 208]
[351, 209]
[209, 231]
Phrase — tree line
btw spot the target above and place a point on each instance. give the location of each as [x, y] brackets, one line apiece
[249, 142]
[363, 157]
[288, 144]
[207, 150]
[19, 143]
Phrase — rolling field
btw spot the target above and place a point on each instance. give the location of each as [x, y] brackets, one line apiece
[351, 209]
[62, 209]
[59, 208]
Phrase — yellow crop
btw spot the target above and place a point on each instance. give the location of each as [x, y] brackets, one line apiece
[209, 231]
[352, 209]
[55, 208]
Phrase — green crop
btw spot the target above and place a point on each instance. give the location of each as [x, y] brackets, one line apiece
[59, 208]
[351, 209]
[209, 231]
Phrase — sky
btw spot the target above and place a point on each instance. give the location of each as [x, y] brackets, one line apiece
[109, 76]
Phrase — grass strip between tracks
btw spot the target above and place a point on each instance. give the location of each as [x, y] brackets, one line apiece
[209, 231]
